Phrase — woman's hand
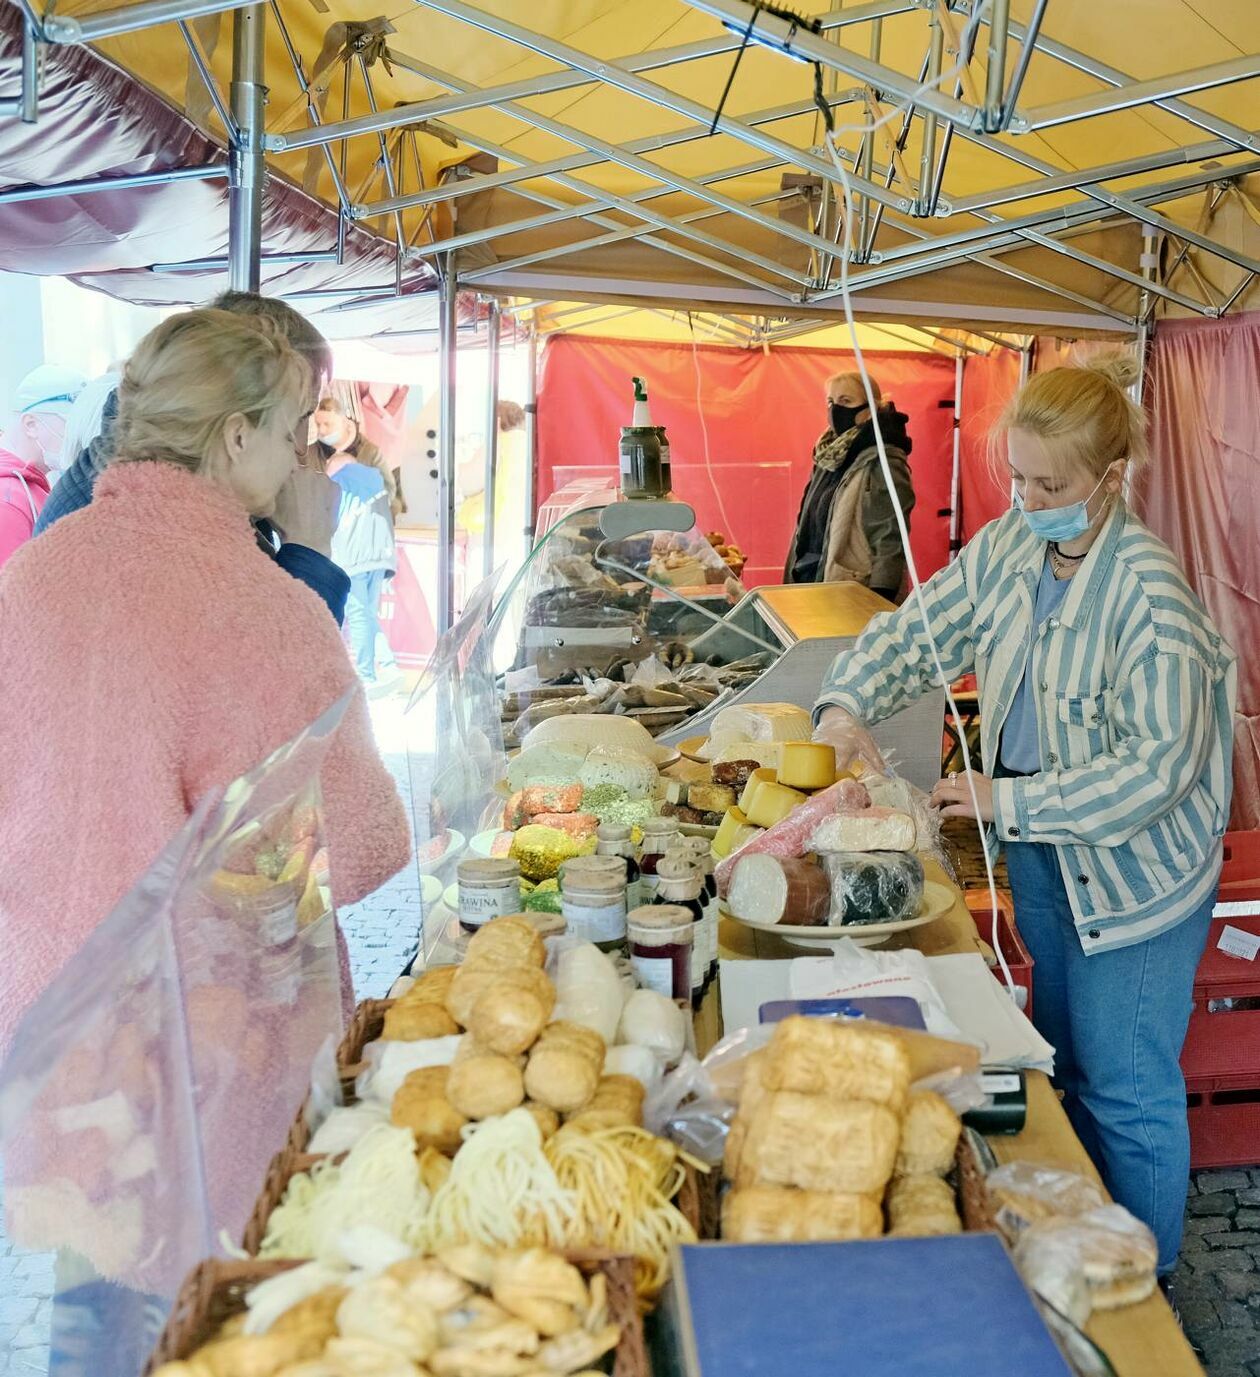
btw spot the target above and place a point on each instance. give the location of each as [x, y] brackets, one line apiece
[851, 740]
[952, 797]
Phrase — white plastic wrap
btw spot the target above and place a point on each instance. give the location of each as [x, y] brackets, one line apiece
[1023, 1193]
[629, 1059]
[654, 1021]
[874, 886]
[390, 1063]
[1101, 1260]
[588, 990]
[345, 1125]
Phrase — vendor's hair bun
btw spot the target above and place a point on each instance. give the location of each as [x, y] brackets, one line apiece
[1119, 366]
[1084, 414]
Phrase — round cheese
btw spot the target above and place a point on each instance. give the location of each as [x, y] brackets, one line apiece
[807, 765]
[755, 781]
[733, 832]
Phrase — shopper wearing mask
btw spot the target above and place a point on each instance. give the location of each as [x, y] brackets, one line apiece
[1106, 698]
[847, 525]
[31, 447]
[339, 433]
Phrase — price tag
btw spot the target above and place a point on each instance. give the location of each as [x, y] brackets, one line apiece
[1235, 942]
[993, 1084]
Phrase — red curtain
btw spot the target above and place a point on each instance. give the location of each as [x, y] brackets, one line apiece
[761, 413]
[1201, 493]
[989, 382]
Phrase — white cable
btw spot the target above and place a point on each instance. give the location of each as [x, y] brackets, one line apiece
[903, 530]
[728, 530]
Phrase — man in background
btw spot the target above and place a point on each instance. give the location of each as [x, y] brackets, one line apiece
[339, 433]
[30, 447]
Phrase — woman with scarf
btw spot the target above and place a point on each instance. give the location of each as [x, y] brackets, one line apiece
[847, 526]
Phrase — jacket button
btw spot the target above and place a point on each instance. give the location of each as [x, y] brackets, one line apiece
[1095, 934]
[1045, 688]
[1012, 831]
[1053, 623]
[1054, 759]
[1082, 879]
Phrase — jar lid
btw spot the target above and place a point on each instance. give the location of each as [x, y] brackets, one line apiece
[613, 832]
[593, 882]
[676, 867]
[492, 870]
[660, 916]
[589, 867]
[659, 827]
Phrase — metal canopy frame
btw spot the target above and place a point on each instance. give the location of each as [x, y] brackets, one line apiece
[975, 60]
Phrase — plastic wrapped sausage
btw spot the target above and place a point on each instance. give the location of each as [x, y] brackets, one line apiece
[780, 889]
[791, 836]
[874, 886]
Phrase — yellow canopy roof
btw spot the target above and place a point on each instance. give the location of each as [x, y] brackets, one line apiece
[560, 151]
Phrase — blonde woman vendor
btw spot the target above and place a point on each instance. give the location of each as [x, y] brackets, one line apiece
[1106, 700]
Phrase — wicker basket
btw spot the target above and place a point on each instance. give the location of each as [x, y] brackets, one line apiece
[364, 1027]
[215, 1291]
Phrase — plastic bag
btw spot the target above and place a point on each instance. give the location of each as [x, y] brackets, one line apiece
[1101, 1260]
[891, 791]
[1022, 1193]
[388, 1064]
[874, 886]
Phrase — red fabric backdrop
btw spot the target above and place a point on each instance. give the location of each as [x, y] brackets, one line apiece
[1201, 493]
[762, 412]
[989, 382]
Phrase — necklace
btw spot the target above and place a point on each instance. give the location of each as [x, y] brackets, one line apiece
[1063, 564]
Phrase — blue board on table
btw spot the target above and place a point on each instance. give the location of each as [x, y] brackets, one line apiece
[891, 1307]
[898, 1010]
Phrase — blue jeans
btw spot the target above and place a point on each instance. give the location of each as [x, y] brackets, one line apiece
[363, 622]
[1117, 1021]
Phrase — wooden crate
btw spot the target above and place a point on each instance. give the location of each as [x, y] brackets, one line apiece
[215, 1291]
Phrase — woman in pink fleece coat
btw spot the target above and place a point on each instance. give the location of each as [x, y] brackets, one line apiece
[152, 651]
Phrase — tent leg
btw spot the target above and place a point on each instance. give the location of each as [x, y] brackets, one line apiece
[448, 320]
[531, 439]
[492, 437]
[248, 165]
[955, 492]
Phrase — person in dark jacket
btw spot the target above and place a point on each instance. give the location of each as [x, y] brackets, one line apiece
[298, 536]
[847, 525]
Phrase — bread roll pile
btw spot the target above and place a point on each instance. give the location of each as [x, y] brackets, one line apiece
[510, 1054]
[826, 1121]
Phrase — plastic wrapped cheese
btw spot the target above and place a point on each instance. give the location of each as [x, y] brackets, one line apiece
[632, 1060]
[791, 836]
[545, 764]
[583, 731]
[589, 991]
[764, 722]
[874, 886]
[654, 1021]
[873, 829]
[780, 889]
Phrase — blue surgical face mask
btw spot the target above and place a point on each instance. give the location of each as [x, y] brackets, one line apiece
[1058, 523]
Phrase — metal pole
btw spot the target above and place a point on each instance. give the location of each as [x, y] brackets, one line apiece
[248, 166]
[1031, 31]
[531, 439]
[30, 72]
[995, 71]
[492, 437]
[448, 320]
[93, 184]
[955, 491]
[207, 78]
[867, 158]
[1025, 363]
[65, 28]
[927, 160]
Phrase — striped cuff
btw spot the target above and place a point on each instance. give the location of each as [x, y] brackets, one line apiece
[838, 700]
[1010, 810]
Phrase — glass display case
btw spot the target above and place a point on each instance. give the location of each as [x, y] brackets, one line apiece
[627, 607]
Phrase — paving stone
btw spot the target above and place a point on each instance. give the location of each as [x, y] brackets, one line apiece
[1219, 1202]
[1207, 1224]
[1237, 1239]
[1211, 1181]
[1222, 1260]
[1247, 1219]
[1235, 1315]
[1193, 1243]
[1240, 1286]
[1229, 1351]
[1249, 1197]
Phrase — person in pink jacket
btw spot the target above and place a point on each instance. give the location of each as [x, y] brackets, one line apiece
[153, 651]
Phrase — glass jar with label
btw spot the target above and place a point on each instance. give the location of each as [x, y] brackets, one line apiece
[658, 833]
[614, 840]
[488, 889]
[681, 884]
[593, 900]
[660, 938]
[702, 856]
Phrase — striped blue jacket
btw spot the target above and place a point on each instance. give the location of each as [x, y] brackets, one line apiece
[1134, 714]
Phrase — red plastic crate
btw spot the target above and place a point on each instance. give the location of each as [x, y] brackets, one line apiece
[1224, 1124]
[1242, 862]
[1018, 957]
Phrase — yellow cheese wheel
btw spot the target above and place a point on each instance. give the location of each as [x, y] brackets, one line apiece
[733, 832]
[755, 781]
[807, 765]
[772, 803]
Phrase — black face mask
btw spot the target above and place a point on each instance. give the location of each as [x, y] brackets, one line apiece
[842, 417]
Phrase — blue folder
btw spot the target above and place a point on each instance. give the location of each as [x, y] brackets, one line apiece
[899, 1010]
[892, 1307]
